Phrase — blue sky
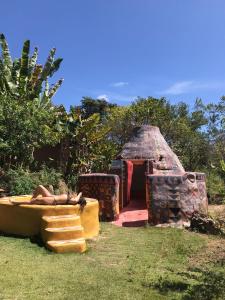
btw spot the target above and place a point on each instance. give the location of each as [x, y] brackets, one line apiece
[121, 49]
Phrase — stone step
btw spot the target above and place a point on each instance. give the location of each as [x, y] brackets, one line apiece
[64, 246]
[60, 221]
[63, 233]
[59, 210]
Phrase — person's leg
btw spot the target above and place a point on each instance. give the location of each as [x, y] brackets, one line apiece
[48, 200]
[56, 199]
[51, 200]
[41, 190]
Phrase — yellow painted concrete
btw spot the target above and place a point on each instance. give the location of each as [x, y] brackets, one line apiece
[78, 245]
[63, 233]
[56, 223]
[60, 221]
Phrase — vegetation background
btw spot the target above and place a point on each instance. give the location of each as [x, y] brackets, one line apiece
[163, 263]
[93, 132]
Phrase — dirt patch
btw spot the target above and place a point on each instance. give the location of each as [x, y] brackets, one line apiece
[214, 252]
[217, 211]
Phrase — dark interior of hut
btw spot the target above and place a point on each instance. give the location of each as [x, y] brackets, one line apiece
[138, 189]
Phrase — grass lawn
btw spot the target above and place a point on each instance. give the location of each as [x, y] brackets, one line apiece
[122, 263]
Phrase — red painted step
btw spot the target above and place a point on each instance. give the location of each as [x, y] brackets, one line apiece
[135, 214]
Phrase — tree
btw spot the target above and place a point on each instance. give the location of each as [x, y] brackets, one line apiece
[23, 79]
[90, 106]
[215, 128]
[83, 138]
[28, 119]
[181, 127]
[24, 128]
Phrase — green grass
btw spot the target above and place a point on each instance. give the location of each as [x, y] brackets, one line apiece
[123, 263]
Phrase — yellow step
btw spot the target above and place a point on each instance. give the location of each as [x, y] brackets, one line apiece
[64, 246]
[63, 233]
[60, 221]
[58, 210]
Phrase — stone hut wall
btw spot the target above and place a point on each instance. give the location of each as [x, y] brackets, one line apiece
[174, 198]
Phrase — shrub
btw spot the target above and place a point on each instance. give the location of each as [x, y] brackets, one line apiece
[18, 182]
[210, 286]
[48, 176]
[21, 182]
[215, 188]
[72, 180]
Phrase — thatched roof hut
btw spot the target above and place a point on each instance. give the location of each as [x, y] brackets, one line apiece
[149, 176]
[147, 143]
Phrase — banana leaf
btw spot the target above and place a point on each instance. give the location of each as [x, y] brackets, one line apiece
[5, 52]
[36, 74]
[54, 89]
[48, 65]
[15, 71]
[55, 66]
[45, 94]
[2, 86]
[46, 71]
[23, 77]
[33, 61]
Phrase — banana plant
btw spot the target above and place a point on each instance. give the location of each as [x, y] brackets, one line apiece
[83, 136]
[24, 79]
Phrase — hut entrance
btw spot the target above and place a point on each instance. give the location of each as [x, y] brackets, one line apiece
[133, 207]
[138, 189]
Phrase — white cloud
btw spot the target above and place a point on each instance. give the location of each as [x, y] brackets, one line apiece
[178, 88]
[119, 84]
[103, 97]
[115, 97]
[183, 87]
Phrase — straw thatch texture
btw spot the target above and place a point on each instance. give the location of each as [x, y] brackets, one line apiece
[148, 143]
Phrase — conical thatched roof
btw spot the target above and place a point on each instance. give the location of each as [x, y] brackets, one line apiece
[148, 143]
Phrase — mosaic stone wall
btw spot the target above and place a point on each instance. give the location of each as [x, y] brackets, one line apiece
[104, 188]
[174, 198]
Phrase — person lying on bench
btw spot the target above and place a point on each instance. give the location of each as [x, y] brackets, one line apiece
[42, 196]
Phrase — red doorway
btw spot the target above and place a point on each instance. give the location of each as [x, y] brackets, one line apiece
[134, 211]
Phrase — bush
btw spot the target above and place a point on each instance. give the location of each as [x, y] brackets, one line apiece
[21, 182]
[215, 188]
[211, 285]
[72, 181]
[48, 176]
[18, 182]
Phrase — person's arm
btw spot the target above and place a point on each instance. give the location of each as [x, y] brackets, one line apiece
[75, 200]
